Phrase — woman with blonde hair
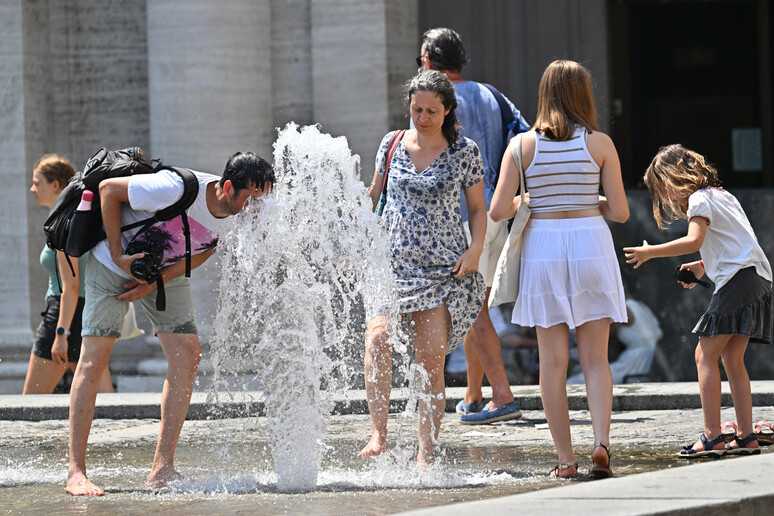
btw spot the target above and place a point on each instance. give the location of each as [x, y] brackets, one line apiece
[57, 344]
[569, 275]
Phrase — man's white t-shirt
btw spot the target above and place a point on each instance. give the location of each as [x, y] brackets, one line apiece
[730, 244]
[149, 193]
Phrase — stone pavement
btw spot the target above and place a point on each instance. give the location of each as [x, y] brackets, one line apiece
[657, 418]
[722, 487]
[641, 396]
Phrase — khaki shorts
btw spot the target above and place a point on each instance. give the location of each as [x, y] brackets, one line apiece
[103, 315]
[494, 240]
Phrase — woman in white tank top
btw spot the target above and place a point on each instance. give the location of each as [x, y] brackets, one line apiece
[569, 275]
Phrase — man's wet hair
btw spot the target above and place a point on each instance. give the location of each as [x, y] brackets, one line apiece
[444, 49]
[245, 169]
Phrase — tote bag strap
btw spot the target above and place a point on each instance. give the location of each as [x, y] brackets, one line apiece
[516, 152]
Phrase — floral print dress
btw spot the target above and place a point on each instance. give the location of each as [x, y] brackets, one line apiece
[423, 222]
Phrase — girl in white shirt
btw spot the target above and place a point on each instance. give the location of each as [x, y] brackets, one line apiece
[684, 185]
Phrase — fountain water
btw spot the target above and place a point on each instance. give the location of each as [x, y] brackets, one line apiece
[306, 266]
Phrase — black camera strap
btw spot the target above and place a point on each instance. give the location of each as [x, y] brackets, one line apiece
[161, 295]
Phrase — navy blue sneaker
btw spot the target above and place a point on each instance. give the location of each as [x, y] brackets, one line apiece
[502, 413]
[474, 407]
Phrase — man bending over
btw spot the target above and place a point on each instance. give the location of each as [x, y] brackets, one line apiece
[110, 287]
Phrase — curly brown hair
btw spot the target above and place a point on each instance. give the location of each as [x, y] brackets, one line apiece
[674, 174]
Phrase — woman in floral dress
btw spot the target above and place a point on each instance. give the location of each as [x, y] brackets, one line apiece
[437, 280]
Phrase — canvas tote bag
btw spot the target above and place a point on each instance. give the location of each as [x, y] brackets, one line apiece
[505, 286]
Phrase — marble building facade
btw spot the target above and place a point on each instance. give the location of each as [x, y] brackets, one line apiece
[193, 81]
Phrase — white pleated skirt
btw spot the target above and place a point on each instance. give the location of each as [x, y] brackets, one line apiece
[569, 274]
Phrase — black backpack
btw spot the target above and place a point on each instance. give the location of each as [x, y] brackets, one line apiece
[75, 232]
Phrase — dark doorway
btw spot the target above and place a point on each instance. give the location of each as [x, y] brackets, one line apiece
[696, 73]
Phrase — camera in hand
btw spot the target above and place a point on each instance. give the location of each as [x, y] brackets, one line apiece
[145, 268]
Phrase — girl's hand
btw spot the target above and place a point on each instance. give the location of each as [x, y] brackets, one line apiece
[638, 255]
[467, 264]
[59, 350]
[698, 270]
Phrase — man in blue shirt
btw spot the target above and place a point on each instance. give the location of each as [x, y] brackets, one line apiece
[478, 112]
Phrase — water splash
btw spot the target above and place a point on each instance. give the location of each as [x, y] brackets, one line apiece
[305, 268]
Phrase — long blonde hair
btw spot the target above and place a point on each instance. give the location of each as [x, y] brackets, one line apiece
[679, 171]
[565, 101]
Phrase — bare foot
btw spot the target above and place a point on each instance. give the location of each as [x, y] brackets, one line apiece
[424, 461]
[79, 485]
[376, 446]
[161, 477]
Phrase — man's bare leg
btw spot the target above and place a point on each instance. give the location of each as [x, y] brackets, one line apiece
[95, 353]
[483, 355]
[378, 381]
[183, 354]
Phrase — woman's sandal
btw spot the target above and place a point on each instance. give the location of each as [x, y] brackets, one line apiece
[689, 453]
[741, 446]
[564, 466]
[728, 431]
[764, 431]
[598, 470]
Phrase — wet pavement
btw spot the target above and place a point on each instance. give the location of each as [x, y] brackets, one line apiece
[495, 468]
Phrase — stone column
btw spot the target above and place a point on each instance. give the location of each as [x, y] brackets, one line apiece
[291, 58]
[210, 82]
[15, 199]
[361, 53]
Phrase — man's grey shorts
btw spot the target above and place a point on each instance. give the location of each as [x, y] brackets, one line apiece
[103, 315]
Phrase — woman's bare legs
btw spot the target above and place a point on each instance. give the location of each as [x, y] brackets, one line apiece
[105, 383]
[739, 381]
[593, 338]
[431, 330]
[43, 375]
[553, 347]
[378, 382]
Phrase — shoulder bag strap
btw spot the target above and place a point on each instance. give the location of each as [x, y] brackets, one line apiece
[382, 202]
[394, 141]
[516, 152]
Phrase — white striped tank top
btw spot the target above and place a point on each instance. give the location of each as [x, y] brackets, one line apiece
[562, 176]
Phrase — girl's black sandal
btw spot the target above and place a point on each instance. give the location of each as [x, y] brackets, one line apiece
[741, 443]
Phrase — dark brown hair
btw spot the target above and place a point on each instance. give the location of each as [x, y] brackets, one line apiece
[436, 82]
